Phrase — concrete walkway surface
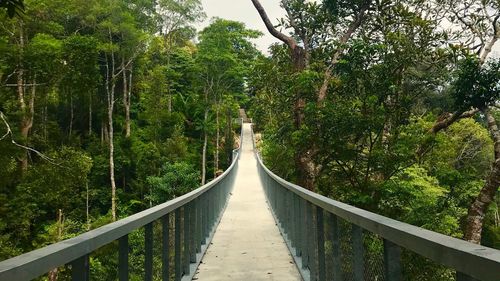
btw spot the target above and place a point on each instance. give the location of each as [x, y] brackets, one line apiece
[247, 244]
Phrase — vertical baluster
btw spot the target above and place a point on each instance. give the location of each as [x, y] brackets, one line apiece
[281, 205]
[287, 210]
[123, 258]
[392, 261]
[199, 219]
[214, 210]
[207, 217]
[186, 232]
[177, 257]
[283, 208]
[203, 218]
[321, 244]
[148, 252]
[357, 246]
[165, 253]
[80, 270]
[307, 245]
[300, 226]
[313, 262]
[293, 238]
[276, 197]
[337, 259]
[210, 212]
[192, 233]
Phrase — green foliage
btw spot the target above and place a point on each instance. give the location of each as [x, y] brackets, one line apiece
[13, 7]
[81, 62]
[369, 143]
[175, 179]
[69, 55]
[476, 86]
[411, 194]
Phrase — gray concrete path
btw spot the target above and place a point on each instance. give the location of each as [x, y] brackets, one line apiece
[247, 244]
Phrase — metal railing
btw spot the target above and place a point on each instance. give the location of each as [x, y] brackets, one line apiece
[190, 219]
[330, 240]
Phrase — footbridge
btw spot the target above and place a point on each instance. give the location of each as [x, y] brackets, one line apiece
[249, 224]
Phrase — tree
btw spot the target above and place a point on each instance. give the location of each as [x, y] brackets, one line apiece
[224, 51]
[300, 17]
[13, 7]
[481, 22]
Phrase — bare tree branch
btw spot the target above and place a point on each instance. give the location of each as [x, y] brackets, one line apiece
[358, 20]
[496, 35]
[292, 44]
[9, 133]
[447, 120]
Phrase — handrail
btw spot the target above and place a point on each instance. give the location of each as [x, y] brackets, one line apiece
[474, 260]
[38, 262]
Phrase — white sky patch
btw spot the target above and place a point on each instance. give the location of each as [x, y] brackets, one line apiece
[244, 11]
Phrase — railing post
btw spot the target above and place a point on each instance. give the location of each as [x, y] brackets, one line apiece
[357, 246]
[199, 222]
[123, 258]
[203, 213]
[80, 270]
[192, 234]
[148, 253]
[297, 224]
[320, 231]
[392, 261]
[186, 231]
[337, 259]
[177, 257]
[300, 222]
[313, 245]
[303, 234]
[287, 210]
[207, 218]
[307, 247]
[293, 215]
[165, 267]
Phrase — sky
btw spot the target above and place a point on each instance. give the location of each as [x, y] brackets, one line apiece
[244, 11]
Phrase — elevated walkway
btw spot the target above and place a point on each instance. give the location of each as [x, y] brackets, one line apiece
[247, 244]
[329, 240]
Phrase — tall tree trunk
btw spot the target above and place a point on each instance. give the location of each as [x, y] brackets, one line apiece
[90, 113]
[45, 121]
[229, 139]
[111, 153]
[27, 123]
[110, 91]
[127, 85]
[71, 114]
[169, 101]
[87, 205]
[21, 97]
[104, 129]
[477, 211]
[205, 142]
[303, 158]
[129, 101]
